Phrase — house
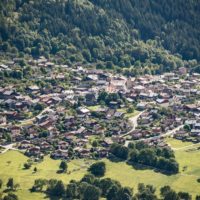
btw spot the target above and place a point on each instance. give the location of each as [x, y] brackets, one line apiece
[141, 106]
[25, 144]
[63, 145]
[114, 104]
[3, 120]
[45, 146]
[7, 94]
[106, 142]
[161, 101]
[119, 114]
[33, 89]
[15, 130]
[33, 151]
[83, 110]
[60, 154]
[182, 70]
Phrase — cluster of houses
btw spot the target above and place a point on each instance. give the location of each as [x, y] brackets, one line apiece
[64, 125]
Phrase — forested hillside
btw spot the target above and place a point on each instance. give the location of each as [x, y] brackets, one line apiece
[157, 33]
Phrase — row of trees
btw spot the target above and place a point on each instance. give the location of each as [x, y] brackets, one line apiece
[91, 187]
[140, 153]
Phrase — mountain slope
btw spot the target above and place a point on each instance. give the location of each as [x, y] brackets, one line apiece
[121, 32]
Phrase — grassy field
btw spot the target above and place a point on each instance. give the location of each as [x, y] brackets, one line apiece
[177, 143]
[11, 164]
[128, 115]
[94, 108]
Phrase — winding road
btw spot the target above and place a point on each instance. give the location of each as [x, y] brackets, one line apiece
[134, 123]
[26, 121]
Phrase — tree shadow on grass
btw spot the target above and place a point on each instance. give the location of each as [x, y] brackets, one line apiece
[60, 171]
[115, 159]
[138, 166]
[50, 197]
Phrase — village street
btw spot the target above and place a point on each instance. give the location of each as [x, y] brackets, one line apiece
[134, 123]
[27, 121]
[8, 147]
[168, 133]
[187, 147]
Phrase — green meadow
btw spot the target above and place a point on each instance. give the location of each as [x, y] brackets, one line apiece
[11, 164]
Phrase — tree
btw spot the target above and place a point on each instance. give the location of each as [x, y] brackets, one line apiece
[59, 189]
[172, 195]
[91, 193]
[88, 178]
[39, 106]
[1, 183]
[147, 157]
[63, 166]
[87, 55]
[185, 195]
[10, 196]
[56, 188]
[167, 193]
[98, 169]
[124, 193]
[16, 186]
[105, 184]
[134, 155]
[112, 192]
[95, 143]
[146, 192]
[10, 183]
[119, 151]
[35, 169]
[27, 165]
[72, 191]
[38, 185]
[197, 197]
[164, 190]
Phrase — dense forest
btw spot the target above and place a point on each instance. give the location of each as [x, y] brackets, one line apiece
[163, 34]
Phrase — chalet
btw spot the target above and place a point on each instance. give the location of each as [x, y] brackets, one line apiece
[161, 101]
[182, 70]
[191, 107]
[60, 154]
[114, 104]
[15, 130]
[83, 110]
[33, 151]
[7, 94]
[119, 114]
[181, 135]
[33, 89]
[141, 106]
[169, 76]
[45, 146]
[25, 144]
[106, 142]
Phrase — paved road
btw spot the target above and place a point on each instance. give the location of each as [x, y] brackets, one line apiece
[186, 147]
[134, 123]
[168, 133]
[26, 121]
[8, 147]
